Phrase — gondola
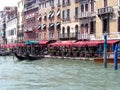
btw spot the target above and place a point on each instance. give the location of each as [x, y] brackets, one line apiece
[20, 57]
[34, 57]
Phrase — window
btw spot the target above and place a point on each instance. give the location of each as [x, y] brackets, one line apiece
[63, 2]
[51, 35]
[68, 13]
[52, 3]
[76, 11]
[40, 37]
[68, 32]
[86, 28]
[86, 7]
[44, 35]
[58, 35]
[63, 14]
[58, 2]
[82, 8]
[63, 32]
[68, 1]
[45, 4]
[76, 31]
[105, 26]
[92, 5]
[118, 24]
[105, 3]
[36, 35]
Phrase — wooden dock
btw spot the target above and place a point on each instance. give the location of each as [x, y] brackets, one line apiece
[109, 60]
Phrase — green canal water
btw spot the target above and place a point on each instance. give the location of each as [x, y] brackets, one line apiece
[56, 74]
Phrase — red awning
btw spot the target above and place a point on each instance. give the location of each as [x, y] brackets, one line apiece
[21, 44]
[94, 43]
[111, 42]
[56, 44]
[43, 42]
[62, 43]
[67, 43]
[80, 44]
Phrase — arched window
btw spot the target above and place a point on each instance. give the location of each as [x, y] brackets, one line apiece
[86, 28]
[82, 28]
[82, 8]
[76, 31]
[86, 7]
[63, 31]
[68, 32]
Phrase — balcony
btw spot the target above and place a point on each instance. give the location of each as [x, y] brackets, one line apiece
[33, 6]
[77, 1]
[84, 15]
[105, 10]
[84, 36]
[63, 19]
[68, 18]
[76, 16]
[66, 36]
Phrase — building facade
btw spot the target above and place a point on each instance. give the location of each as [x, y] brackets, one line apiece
[49, 22]
[29, 18]
[107, 19]
[69, 19]
[20, 35]
[87, 17]
[11, 25]
[1, 27]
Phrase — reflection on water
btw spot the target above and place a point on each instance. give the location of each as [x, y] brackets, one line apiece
[56, 74]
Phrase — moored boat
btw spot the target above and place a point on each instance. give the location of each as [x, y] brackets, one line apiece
[20, 57]
[109, 60]
[34, 57]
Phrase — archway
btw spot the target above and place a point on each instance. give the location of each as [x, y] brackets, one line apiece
[63, 31]
[68, 32]
[76, 31]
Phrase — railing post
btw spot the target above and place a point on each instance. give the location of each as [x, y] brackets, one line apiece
[116, 58]
[105, 50]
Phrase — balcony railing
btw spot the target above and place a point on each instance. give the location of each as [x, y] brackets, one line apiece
[84, 36]
[76, 17]
[84, 15]
[105, 10]
[30, 7]
[71, 35]
[77, 1]
[68, 18]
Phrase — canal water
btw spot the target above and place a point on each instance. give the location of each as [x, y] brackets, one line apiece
[56, 74]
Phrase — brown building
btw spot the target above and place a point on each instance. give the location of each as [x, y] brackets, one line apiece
[49, 21]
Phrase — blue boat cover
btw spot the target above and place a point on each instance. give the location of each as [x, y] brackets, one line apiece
[31, 42]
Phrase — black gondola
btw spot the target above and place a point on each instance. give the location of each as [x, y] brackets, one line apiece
[20, 57]
[34, 57]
